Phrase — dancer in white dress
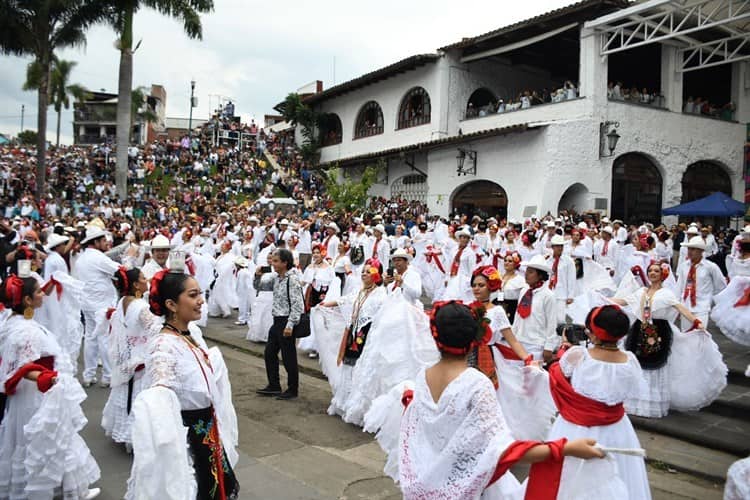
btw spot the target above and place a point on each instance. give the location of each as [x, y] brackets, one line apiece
[589, 387]
[223, 296]
[261, 318]
[131, 326]
[513, 281]
[366, 306]
[452, 440]
[523, 395]
[194, 404]
[318, 283]
[689, 376]
[732, 310]
[41, 452]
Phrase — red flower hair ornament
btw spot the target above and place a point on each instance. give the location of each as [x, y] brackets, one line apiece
[153, 293]
[491, 274]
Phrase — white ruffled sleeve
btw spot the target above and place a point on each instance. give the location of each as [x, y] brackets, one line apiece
[571, 359]
[161, 366]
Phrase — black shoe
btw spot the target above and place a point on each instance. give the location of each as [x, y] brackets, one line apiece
[287, 395]
[269, 391]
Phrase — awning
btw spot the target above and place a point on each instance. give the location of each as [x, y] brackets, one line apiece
[714, 205]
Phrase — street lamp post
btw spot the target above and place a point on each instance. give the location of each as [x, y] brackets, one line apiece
[190, 120]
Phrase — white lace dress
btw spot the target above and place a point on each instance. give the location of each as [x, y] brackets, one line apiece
[399, 345]
[450, 448]
[128, 339]
[611, 384]
[40, 448]
[368, 311]
[172, 364]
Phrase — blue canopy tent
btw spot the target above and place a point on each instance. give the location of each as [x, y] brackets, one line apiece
[714, 205]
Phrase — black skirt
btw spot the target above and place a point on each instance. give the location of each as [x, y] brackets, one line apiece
[355, 344]
[209, 456]
[650, 342]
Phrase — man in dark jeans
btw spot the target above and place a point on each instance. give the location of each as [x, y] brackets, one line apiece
[286, 310]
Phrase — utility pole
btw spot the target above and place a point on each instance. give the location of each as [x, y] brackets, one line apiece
[190, 120]
[23, 108]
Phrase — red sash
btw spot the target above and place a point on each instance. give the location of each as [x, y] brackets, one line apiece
[431, 256]
[690, 286]
[456, 261]
[553, 278]
[53, 284]
[744, 300]
[578, 409]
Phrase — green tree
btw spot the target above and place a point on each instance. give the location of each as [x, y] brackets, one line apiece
[123, 12]
[37, 28]
[28, 137]
[297, 112]
[59, 89]
[345, 191]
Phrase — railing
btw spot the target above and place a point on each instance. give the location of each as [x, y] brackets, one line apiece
[657, 102]
[330, 140]
[366, 131]
[510, 108]
[95, 115]
[414, 121]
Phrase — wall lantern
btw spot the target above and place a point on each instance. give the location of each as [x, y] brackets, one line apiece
[461, 159]
[608, 138]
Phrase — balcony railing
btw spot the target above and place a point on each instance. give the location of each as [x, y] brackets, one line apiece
[366, 131]
[95, 115]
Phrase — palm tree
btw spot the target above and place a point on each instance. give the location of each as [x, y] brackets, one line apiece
[37, 28]
[187, 11]
[59, 90]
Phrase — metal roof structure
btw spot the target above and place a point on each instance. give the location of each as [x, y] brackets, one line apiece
[707, 32]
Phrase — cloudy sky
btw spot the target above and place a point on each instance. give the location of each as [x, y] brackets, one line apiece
[257, 52]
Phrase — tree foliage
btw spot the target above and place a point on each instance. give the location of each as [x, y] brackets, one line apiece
[347, 192]
[28, 137]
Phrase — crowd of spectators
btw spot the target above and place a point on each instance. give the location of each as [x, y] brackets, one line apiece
[524, 100]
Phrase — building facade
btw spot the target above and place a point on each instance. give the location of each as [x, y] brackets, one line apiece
[519, 121]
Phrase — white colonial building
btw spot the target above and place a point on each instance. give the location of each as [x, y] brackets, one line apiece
[669, 77]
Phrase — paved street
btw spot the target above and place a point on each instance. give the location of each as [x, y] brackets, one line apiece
[293, 450]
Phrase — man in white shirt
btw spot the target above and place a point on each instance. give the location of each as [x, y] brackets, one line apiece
[699, 280]
[404, 279]
[159, 250]
[331, 241]
[562, 280]
[606, 250]
[381, 247]
[304, 246]
[711, 246]
[535, 324]
[96, 270]
[620, 233]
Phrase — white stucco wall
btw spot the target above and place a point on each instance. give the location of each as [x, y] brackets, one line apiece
[388, 94]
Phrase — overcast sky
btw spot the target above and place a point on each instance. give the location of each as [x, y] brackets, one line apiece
[257, 52]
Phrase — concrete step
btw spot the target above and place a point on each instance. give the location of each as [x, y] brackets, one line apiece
[670, 453]
[727, 434]
[734, 402]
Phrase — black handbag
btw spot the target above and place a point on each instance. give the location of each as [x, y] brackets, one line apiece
[302, 328]
[576, 334]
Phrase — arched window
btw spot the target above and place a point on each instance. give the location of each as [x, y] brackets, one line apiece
[410, 187]
[481, 103]
[330, 129]
[636, 189]
[369, 120]
[703, 178]
[415, 108]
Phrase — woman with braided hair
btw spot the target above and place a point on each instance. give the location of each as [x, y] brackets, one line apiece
[186, 399]
[40, 449]
[131, 326]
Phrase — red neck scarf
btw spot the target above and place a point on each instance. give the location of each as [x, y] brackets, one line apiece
[578, 409]
[690, 285]
[553, 278]
[524, 305]
[605, 249]
[375, 248]
[456, 261]
[431, 255]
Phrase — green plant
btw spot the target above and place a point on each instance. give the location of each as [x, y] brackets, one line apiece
[345, 191]
[27, 137]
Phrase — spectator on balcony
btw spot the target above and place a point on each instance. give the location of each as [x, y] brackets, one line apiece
[536, 99]
[646, 98]
[617, 91]
[500, 106]
[525, 99]
[635, 95]
[570, 90]
[689, 105]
